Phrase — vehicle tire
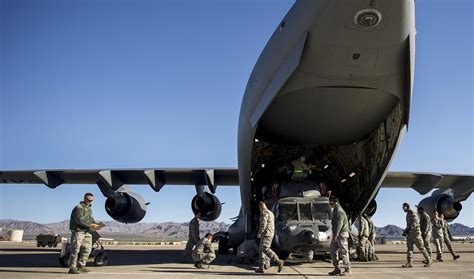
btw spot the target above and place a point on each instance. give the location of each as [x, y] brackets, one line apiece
[50, 244]
[63, 261]
[38, 245]
[101, 259]
[55, 244]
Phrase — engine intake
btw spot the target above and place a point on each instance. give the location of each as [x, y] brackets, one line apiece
[126, 207]
[444, 204]
[206, 206]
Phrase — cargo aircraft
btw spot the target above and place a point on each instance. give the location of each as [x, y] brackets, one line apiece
[325, 109]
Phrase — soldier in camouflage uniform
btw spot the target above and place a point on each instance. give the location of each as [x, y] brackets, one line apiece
[413, 234]
[266, 233]
[371, 242]
[447, 238]
[193, 236]
[362, 249]
[80, 224]
[438, 237]
[340, 234]
[203, 252]
[425, 228]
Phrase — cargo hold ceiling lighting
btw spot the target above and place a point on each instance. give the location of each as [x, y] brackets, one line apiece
[367, 18]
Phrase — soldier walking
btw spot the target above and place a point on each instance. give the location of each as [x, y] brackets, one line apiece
[438, 237]
[203, 253]
[266, 233]
[371, 242]
[425, 228]
[193, 236]
[80, 224]
[340, 234]
[447, 238]
[413, 235]
[362, 249]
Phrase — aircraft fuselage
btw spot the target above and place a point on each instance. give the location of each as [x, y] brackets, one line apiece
[333, 84]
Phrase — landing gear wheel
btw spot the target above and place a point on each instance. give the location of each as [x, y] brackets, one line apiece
[101, 259]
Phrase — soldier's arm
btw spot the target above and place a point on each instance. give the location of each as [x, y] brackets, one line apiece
[340, 223]
[263, 224]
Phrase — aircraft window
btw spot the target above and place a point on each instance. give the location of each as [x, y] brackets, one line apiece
[305, 212]
[321, 211]
[287, 212]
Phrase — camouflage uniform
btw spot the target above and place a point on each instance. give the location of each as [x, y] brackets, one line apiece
[266, 233]
[193, 237]
[438, 236]
[414, 236]
[340, 231]
[362, 249]
[81, 239]
[203, 252]
[371, 242]
[447, 238]
[425, 227]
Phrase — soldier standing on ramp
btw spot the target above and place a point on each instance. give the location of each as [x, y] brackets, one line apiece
[80, 224]
[340, 234]
[266, 233]
[193, 237]
[447, 238]
[203, 252]
[362, 249]
[425, 227]
[438, 235]
[371, 243]
[413, 234]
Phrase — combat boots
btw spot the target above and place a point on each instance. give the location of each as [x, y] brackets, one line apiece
[259, 270]
[407, 265]
[73, 271]
[455, 257]
[82, 269]
[336, 271]
[427, 263]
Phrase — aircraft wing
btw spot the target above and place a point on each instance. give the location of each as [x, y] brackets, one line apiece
[116, 178]
[425, 182]
[157, 178]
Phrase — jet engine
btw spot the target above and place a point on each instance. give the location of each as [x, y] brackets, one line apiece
[371, 208]
[206, 206]
[126, 207]
[443, 204]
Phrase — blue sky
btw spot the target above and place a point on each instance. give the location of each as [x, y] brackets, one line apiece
[136, 84]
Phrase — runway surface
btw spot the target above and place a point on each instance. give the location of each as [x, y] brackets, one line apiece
[23, 260]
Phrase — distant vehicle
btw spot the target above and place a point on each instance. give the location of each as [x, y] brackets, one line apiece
[463, 238]
[50, 240]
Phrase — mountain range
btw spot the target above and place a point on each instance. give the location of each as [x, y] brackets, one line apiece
[170, 230]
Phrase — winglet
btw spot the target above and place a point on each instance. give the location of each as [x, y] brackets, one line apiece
[49, 179]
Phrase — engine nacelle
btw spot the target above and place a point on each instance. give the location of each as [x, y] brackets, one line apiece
[444, 204]
[126, 207]
[371, 208]
[206, 206]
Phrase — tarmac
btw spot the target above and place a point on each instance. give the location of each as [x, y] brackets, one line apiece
[25, 260]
